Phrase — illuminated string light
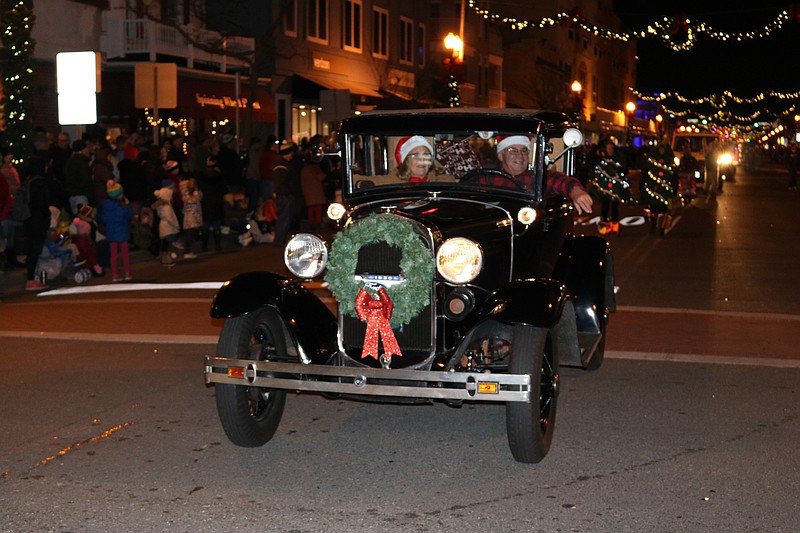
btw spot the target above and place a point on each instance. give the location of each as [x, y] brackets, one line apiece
[664, 29]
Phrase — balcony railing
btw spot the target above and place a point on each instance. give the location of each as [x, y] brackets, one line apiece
[123, 37]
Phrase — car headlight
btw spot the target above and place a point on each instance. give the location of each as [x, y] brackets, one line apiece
[725, 159]
[305, 255]
[336, 211]
[459, 260]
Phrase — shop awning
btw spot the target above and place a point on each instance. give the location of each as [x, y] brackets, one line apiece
[198, 97]
[326, 82]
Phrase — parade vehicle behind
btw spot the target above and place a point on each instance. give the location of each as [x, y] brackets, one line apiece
[468, 287]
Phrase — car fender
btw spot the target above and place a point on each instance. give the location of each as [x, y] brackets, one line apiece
[308, 322]
[536, 302]
[587, 269]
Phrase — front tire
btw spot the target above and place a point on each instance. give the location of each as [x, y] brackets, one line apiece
[530, 425]
[250, 415]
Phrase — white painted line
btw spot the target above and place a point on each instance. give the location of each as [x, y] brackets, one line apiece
[709, 312]
[123, 287]
[113, 337]
[705, 359]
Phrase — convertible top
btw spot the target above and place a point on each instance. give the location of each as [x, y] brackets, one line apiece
[463, 119]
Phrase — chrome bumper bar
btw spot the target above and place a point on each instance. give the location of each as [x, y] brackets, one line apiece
[369, 381]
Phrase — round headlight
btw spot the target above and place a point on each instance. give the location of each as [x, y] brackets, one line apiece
[336, 211]
[526, 215]
[725, 159]
[459, 260]
[305, 255]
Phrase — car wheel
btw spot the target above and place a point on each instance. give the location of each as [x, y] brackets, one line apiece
[250, 415]
[530, 424]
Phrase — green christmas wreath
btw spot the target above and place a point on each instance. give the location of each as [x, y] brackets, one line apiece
[416, 265]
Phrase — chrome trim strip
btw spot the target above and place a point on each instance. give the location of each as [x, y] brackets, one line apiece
[421, 384]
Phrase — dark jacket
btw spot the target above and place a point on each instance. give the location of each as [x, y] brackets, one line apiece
[78, 176]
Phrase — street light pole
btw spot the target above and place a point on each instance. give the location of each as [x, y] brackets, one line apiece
[452, 64]
[577, 100]
[630, 109]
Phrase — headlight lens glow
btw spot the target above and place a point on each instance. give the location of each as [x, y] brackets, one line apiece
[725, 159]
[305, 255]
[459, 260]
[336, 211]
[526, 215]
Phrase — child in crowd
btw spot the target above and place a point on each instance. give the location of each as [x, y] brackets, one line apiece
[192, 214]
[169, 229]
[81, 229]
[117, 214]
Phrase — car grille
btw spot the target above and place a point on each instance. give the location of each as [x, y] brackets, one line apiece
[415, 337]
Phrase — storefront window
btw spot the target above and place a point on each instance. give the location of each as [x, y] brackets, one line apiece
[305, 122]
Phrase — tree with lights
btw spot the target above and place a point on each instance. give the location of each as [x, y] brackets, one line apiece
[16, 64]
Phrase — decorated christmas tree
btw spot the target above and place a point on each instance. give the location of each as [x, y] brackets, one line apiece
[16, 67]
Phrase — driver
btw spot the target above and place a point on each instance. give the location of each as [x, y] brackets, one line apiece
[513, 152]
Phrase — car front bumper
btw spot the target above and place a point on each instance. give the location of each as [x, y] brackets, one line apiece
[369, 381]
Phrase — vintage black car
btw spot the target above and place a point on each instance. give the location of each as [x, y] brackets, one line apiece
[468, 287]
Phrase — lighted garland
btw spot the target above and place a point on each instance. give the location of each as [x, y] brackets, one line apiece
[655, 189]
[666, 28]
[609, 180]
[416, 265]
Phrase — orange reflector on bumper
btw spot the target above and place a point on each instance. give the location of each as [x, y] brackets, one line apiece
[235, 372]
[487, 388]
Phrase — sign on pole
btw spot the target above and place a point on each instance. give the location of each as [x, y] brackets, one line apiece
[156, 85]
[77, 85]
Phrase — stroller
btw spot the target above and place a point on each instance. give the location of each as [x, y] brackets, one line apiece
[56, 258]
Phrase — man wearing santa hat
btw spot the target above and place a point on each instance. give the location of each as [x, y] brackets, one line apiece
[513, 152]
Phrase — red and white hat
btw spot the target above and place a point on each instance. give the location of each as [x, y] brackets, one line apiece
[406, 144]
[504, 141]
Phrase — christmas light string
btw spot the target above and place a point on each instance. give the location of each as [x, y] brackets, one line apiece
[665, 28]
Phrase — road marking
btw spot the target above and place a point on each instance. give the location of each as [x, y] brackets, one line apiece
[122, 287]
[708, 312]
[141, 338]
[774, 362]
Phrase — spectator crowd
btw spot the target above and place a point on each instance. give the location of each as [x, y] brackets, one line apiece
[76, 207]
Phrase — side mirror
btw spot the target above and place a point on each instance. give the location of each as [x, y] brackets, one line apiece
[572, 139]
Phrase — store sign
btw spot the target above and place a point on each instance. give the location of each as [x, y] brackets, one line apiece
[223, 102]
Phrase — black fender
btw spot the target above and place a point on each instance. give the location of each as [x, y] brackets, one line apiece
[535, 302]
[309, 322]
[587, 269]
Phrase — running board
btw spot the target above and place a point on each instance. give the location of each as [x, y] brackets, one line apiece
[369, 381]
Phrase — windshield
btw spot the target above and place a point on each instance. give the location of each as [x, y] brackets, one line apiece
[486, 159]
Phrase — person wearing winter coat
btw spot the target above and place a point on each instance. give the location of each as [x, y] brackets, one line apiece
[213, 188]
[312, 178]
[117, 214]
[192, 214]
[169, 229]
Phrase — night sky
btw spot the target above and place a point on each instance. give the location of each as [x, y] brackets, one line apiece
[712, 66]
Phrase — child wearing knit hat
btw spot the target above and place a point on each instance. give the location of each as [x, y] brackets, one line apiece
[117, 214]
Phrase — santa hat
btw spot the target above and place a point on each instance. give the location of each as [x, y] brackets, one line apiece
[406, 144]
[504, 142]
[113, 189]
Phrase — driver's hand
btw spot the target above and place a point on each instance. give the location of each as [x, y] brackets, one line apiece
[581, 199]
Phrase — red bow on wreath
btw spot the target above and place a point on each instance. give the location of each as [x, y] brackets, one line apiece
[376, 313]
